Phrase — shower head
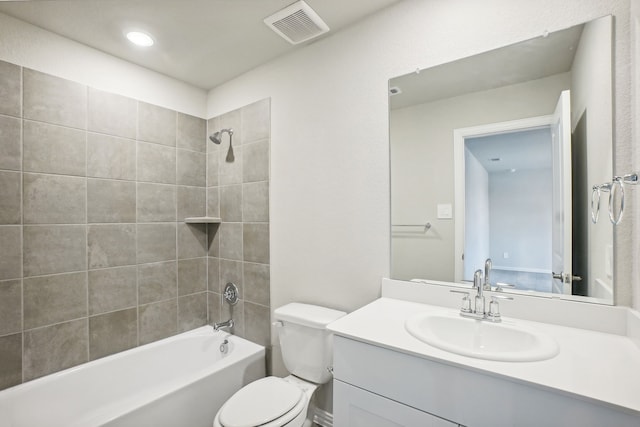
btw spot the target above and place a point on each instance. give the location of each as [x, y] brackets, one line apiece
[216, 138]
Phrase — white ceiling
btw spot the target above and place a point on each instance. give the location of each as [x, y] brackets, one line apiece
[529, 60]
[201, 42]
[528, 149]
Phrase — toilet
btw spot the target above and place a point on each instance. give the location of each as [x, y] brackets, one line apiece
[307, 353]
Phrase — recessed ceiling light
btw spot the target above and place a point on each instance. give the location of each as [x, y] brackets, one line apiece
[140, 39]
[394, 90]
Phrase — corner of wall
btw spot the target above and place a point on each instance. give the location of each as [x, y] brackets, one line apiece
[635, 129]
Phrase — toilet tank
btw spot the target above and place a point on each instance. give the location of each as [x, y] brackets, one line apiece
[306, 344]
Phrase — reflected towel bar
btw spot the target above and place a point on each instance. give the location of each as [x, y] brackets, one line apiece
[426, 226]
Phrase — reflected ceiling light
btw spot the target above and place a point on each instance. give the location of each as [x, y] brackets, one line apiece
[394, 90]
[140, 39]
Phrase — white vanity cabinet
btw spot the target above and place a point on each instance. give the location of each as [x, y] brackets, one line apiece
[378, 386]
[359, 402]
[355, 407]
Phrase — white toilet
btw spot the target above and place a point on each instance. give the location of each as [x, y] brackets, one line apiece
[307, 353]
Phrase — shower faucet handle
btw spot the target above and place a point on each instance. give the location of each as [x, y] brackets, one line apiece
[231, 293]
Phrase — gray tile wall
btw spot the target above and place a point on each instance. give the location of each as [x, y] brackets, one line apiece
[238, 192]
[94, 255]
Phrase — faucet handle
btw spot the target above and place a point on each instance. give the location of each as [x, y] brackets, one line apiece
[494, 308]
[500, 286]
[466, 301]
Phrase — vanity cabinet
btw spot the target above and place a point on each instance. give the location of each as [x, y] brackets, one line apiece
[355, 407]
[380, 386]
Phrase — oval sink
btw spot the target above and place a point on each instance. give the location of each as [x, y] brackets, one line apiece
[481, 339]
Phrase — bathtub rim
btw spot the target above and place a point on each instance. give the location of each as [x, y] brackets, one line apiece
[250, 350]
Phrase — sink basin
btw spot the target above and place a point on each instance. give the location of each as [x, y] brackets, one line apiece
[481, 339]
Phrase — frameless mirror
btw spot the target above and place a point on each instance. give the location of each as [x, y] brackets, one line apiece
[494, 156]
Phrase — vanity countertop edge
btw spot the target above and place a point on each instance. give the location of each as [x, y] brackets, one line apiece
[571, 372]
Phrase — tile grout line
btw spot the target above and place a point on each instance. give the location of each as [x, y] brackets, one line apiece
[22, 353]
[175, 211]
[206, 212]
[244, 287]
[138, 320]
[86, 219]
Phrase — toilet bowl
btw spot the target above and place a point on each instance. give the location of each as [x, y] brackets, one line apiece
[268, 402]
[306, 346]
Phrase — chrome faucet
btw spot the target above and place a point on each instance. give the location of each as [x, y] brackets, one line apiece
[487, 273]
[479, 287]
[227, 324]
[477, 311]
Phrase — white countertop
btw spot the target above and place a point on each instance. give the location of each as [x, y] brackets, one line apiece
[591, 365]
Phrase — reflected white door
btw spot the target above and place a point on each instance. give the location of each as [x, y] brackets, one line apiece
[561, 200]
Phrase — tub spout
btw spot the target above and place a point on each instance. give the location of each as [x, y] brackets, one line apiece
[227, 324]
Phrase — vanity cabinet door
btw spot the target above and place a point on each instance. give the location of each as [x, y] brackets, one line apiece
[355, 407]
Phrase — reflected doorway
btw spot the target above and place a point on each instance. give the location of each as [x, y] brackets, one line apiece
[508, 206]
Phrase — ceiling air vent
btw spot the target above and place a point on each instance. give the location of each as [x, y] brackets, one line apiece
[297, 23]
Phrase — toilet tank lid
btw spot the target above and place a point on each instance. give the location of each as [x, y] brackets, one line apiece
[309, 315]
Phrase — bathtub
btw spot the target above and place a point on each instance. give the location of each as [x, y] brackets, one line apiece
[180, 381]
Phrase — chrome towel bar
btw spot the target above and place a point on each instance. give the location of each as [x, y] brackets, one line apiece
[426, 226]
[613, 187]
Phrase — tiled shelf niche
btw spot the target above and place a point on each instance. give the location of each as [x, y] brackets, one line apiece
[202, 220]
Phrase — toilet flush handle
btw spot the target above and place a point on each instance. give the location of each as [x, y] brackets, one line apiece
[277, 324]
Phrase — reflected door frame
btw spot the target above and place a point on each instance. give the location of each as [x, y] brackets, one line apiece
[459, 136]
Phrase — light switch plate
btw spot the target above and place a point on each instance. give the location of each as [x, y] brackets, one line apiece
[445, 211]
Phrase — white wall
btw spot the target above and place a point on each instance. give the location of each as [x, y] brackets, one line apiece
[590, 96]
[422, 171]
[32, 47]
[520, 219]
[330, 157]
[422, 179]
[635, 123]
[477, 225]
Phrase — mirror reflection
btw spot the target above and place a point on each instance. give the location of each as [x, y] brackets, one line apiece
[494, 156]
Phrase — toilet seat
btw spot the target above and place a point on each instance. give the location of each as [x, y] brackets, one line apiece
[269, 401]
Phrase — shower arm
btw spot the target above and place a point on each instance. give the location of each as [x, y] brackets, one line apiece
[217, 136]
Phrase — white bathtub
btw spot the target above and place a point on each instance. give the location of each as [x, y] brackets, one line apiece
[180, 381]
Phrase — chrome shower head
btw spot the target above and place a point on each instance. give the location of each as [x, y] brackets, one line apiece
[216, 138]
